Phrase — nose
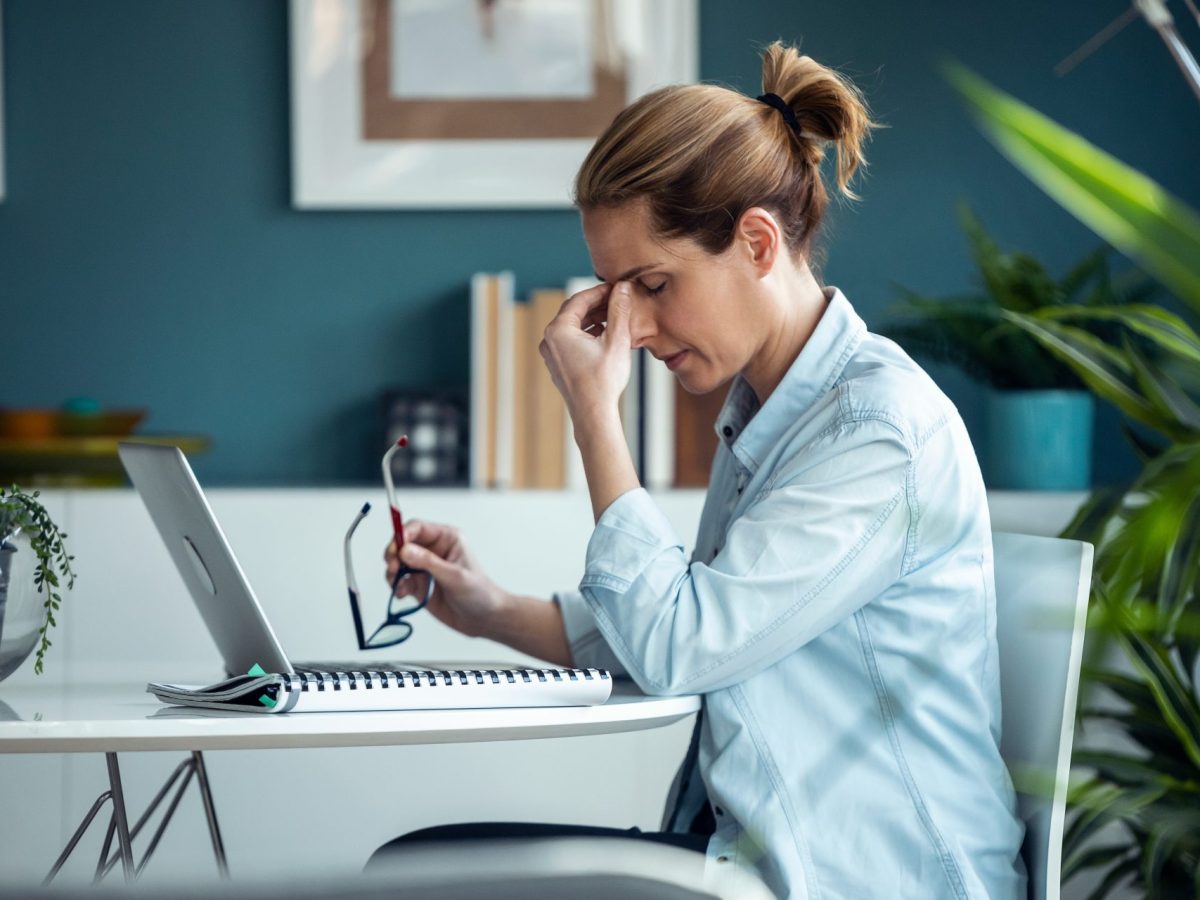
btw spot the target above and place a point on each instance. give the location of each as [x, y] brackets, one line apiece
[641, 324]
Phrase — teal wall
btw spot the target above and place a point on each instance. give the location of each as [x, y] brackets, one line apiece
[149, 255]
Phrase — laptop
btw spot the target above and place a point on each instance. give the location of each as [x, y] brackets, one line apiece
[222, 593]
[262, 678]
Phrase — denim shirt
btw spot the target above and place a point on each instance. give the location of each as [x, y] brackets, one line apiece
[838, 617]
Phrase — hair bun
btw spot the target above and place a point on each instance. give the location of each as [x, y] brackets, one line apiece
[826, 105]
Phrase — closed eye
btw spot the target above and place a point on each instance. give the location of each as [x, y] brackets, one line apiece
[657, 289]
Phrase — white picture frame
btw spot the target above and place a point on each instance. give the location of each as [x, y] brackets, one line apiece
[2, 186]
[336, 88]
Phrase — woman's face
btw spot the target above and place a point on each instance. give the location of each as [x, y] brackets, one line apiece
[690, 309]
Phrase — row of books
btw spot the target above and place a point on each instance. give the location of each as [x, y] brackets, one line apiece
[520, 433]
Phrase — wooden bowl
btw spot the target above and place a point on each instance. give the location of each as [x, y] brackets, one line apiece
[106, 423]
[28, 424]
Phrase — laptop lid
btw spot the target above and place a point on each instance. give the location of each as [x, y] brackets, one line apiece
[205, 561]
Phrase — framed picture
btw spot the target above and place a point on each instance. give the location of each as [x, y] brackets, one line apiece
[1, 101]
[410, 104]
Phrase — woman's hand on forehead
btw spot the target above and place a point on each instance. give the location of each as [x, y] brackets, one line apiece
[586, 347]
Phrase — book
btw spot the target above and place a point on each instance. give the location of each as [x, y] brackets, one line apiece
[658, 425]
[574, 476]
[393, 689]
[695, 436]
[505, 365]
[483, 406]
[491, 432]
[524, 432]
[548, 444]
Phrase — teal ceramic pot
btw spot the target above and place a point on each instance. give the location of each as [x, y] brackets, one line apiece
[1040, 440]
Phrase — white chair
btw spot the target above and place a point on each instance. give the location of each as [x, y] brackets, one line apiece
[1042, 589]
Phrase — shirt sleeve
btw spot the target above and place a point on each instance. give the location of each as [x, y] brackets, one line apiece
[589, 650]
[828, 535]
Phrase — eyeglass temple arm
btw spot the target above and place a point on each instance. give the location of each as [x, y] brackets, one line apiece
[397, 522]
[349, 562]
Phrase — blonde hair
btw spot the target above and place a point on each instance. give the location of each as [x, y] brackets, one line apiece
[701, 155]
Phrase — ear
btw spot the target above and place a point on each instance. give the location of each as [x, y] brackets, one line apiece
[760, 239]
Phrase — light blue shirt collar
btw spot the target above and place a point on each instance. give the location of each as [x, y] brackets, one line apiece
[749, 436]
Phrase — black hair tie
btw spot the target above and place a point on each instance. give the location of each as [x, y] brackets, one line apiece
[789, 114]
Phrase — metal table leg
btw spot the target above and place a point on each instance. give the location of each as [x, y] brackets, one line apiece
[118, 825]
[83, 826]
[124, 844]
[210, 812]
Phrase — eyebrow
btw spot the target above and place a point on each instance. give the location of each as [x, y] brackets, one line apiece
[636, 270]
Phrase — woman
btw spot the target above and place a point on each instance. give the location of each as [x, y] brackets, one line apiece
[837, 614]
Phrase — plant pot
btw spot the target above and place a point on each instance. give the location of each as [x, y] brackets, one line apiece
[21, 610]
[1040, 440]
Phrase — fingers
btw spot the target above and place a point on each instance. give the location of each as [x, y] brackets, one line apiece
[577, 307]
[421, 558]
[588, 294]
[618, 311]
[441, 539]
[593, 322]
[426, 544]
[427, 534]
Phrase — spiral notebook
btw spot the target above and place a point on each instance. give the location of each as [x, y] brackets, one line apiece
[272, 683]
[388, 689]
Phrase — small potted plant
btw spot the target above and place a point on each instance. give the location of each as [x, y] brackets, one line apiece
[33, 565]
[1039, 414]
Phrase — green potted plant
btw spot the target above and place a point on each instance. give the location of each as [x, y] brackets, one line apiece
[1136, 808]
[33, 564]
[1039, 413]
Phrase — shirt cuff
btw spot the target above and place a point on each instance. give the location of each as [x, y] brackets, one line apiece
[589, 650]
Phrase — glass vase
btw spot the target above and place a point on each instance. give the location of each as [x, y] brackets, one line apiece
[21, 606]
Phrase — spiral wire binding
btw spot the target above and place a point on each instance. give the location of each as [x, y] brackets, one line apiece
[369, 679]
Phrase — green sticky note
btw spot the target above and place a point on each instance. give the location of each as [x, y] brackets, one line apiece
[256, 669]
[265, 700]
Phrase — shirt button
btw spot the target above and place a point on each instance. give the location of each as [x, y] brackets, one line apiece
[727, 431]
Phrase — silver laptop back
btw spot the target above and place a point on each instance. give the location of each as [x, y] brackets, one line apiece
[218, 586]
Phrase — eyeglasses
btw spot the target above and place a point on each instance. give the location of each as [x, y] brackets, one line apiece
[411, 588]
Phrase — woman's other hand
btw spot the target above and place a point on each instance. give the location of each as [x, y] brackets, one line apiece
[463, 597]
[587, 347]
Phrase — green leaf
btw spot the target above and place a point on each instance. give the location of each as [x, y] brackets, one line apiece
[1102, 368]
[1093, 517]
[1163, 328]
[1109, 804]
[1163, 393]
[1183, 563]
[1121, 870]
[1146, 729]
[1131, 771]
[1094, 266]
[1170, 831]
[1093, 812]
[1091, 858]
[1177, 705]
[1123, 206]
[1187, 641]
[1135, 693]
[1014, 280]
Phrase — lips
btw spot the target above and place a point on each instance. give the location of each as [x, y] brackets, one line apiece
[672, 362]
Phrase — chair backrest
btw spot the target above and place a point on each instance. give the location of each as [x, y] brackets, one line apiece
[1042, 587]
